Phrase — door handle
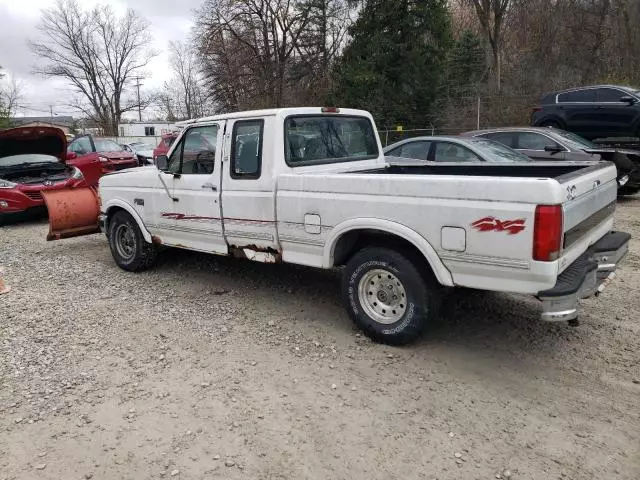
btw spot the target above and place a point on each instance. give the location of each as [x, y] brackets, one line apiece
[211, 186]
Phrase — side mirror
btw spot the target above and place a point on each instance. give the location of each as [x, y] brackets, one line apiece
[71, 156]
[628, 99]
[162, 162]
[553, 149]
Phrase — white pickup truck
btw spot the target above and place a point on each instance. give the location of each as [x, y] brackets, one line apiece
[311, 186]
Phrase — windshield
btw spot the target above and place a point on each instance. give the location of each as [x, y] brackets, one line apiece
[142, 146]
[497, 152]
[34, 158]
[105, 145]
[327, 139]
[573, 141]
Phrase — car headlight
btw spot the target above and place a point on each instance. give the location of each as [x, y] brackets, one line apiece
[7, 184]
[103, 159]
[77, 174]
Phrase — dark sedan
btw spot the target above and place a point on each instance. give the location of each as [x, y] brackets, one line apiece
[551, 144]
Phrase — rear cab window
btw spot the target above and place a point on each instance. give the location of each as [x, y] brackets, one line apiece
[322, 139]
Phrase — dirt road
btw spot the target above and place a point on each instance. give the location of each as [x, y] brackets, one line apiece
[210, 368]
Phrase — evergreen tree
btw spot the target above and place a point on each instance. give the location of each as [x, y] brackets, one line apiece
[466, 65]
[393, 65]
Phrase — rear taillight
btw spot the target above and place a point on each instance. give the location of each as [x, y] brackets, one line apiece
[547, 233]
[536, 109]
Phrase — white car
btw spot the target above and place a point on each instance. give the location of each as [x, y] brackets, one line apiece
[143, 151]
[311, 186]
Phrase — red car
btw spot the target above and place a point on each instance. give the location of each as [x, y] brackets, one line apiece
[165, 144]
[33, 160]
[111, 155]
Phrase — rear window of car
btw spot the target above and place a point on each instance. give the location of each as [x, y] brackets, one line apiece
[588, 95]
[320, 139]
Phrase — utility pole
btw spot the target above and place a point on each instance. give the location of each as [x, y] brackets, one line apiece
[51, 115]
[138, 85]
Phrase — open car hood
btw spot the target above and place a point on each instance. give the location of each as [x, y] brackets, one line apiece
[40, 140]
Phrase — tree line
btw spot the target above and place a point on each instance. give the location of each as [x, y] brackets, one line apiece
[414, 63]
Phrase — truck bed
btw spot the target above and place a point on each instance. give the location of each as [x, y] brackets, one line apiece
[431, 200]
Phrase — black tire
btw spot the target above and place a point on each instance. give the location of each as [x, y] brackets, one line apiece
[132, 253]
[421, 291]
[626, 191]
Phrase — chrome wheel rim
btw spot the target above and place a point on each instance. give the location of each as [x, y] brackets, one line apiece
[125, 241]
[382, 296]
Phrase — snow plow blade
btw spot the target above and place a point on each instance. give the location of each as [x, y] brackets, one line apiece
[72, 212]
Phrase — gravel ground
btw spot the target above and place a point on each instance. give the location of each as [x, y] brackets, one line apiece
[209, 367]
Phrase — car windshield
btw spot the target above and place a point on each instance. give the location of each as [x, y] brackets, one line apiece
[105, 145]
[497, 152]
[34, 158]
[142, 146]
[573, 141]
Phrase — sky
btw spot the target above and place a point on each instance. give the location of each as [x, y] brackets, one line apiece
[169, 19]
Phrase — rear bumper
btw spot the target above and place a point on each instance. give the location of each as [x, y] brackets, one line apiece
[588, 275]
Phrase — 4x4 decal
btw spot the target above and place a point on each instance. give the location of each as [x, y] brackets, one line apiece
[492, 224]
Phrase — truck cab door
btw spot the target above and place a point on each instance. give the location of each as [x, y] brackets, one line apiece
[248, 186]
[192, 218]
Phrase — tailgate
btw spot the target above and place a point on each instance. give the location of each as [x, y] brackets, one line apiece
[590, 203]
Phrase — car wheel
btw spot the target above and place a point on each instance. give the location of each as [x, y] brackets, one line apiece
[387, 296]
[128, 247]
[626, 191]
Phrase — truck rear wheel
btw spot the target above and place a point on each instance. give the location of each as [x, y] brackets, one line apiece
[128, 246]
[387, 296]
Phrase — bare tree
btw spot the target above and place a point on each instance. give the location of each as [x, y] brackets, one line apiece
[319, 45]
[186, 86]
[248, 49]
[98, 53]
[11, 90]
[491, 15]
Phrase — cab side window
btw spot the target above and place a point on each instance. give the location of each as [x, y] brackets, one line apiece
[196, 153]
[246, 149]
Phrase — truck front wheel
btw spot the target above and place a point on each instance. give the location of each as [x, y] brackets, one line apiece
[128, 246]
[387, 296]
